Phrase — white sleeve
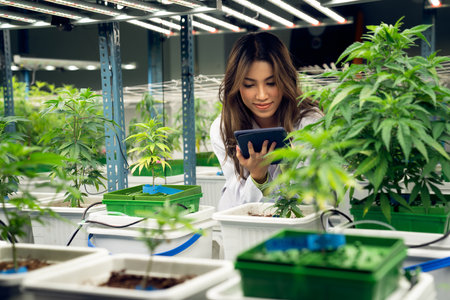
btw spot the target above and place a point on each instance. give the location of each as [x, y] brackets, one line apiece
[236, 191]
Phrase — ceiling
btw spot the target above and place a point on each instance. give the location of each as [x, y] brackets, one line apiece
[216, 16]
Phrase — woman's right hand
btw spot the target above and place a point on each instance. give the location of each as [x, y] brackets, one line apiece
[255, 163]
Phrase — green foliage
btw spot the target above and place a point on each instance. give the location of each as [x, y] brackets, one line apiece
[166, 217]
[147, 109]
[313, 170]
[27, 105]
[395, 106]
[80, 138]
[151, 145]
[18, 161]
[203, 121]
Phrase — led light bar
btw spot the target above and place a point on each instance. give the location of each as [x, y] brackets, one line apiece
[218, 22]
[166, 23]
[326, 11]
[292, 10]
[435, 3]
[100, 9]
[184, 3]
[42, 8]
[264, 12]
[245, 18]
[135, 4]
[150, 27]
[198, 25]
[16, 16]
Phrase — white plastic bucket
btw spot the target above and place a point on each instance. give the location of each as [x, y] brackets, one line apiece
[241, 231]
[178, 242]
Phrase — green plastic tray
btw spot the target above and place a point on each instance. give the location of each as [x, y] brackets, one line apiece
[417, 221]
[132, 202]
[365, 268]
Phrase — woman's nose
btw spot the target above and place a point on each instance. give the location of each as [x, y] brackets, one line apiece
[261, 93]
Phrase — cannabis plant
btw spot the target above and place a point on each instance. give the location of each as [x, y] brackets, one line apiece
[21, 162]
[166, 217]
[151, 145]
[313, 171]
[396, 107]
[80, 139]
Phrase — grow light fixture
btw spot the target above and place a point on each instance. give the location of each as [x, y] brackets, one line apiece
[135, 4]
[100, 9]
[185, 3]
[264, 12]
[42, 9]
[150, 27]
[166, 23]
[72, 68]
[330, 3]
[435, 3]
[16, 16]
[292, 10]
[50, 68]
[218, 22]
[326, 11]
[198, 25]
[245, 18]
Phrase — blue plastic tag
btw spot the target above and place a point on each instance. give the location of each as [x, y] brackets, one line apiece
[147, 288]
[312, 242]
[14, 271]
[150, 189]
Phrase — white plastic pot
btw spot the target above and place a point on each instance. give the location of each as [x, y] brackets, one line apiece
[81, 281]
[56, 231]
[423, 290]
[212, 185]
[58, 256]
[241, 231]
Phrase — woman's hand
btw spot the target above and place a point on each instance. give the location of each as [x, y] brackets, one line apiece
[254, 164]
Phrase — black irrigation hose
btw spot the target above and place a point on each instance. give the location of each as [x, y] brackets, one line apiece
[105, 224]
[334, 212]
[82, 219]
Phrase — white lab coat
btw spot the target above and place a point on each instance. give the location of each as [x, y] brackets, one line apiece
[236, 190]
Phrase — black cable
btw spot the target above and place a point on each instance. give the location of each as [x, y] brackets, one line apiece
[334, 212]
[93, 194]
[431, 242]
[115, 226]
[82, 219]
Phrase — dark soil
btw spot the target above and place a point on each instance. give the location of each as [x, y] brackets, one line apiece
[130, 281]
[259, 215]
[31, 264]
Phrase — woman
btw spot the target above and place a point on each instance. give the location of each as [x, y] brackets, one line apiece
[259, 90]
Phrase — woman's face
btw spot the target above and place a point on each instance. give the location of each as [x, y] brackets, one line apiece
[260, 93]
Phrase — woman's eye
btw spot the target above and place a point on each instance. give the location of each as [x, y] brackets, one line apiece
[271, 83]
[248, 85]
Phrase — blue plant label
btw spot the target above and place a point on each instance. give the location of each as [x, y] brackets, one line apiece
[14, 271]
[147, 288]
[150, 189]
[312, 242]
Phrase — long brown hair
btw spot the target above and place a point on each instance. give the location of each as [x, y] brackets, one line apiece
[261, 46]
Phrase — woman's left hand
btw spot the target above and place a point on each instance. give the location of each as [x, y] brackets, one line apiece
[255, 163]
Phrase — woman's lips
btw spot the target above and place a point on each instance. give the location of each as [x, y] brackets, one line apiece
[263, 106]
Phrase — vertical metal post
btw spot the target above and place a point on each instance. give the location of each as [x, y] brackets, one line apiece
[155, 64]
[112, 90]
[429, 17]
[6, 76]
[187, 84]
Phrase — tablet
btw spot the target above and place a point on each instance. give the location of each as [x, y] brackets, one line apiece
[258, 136]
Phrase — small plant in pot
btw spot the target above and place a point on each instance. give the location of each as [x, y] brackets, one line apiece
[396, 107]
[21, 161]
[313, 171]
[81, 138]
[166, 217]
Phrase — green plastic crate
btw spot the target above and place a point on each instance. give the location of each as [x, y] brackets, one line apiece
[366, 268]
[433, 221]
[133, 202]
